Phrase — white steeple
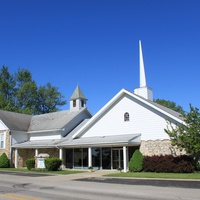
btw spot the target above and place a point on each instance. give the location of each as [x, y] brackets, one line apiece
[143, 90]
[142, 72]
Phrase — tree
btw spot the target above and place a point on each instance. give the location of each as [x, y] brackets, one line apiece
[26, 93]
[7, 89]
[48, 99]
[170, 104]
[20, 93]
[187, 135]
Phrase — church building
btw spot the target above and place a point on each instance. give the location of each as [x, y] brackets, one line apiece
[107, 140]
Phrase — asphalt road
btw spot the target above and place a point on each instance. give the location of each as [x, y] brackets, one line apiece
[23, 186]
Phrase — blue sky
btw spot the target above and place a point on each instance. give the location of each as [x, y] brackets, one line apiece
[94, 43]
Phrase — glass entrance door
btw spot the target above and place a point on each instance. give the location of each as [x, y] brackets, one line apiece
[117, 155]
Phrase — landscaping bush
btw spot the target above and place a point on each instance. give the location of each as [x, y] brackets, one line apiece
[168, 163]
[52, 164]
[136, 162]
[4, 161]
[30, 163]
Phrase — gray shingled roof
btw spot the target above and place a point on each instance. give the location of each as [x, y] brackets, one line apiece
[15, 121]
[168, 110]
[55, 120]
[78, 94]
[49, 121]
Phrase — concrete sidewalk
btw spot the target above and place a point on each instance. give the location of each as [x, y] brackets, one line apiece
[88, 174]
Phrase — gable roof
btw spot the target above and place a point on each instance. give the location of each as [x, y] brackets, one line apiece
[15, 121]
[162, 109]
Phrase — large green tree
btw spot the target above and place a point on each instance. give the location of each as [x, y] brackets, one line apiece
[26, 92]
[187, 135]
[7, 89]
[49, 98]
[20, 93]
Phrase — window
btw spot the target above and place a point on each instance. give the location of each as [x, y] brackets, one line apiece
[126, 117]
[2, 140]
[82, 103]
[74, 103]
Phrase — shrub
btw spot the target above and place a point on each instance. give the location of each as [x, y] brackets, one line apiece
[168, 163]
[4, 161]
[136, 161]
[30, 163]
[52, 164]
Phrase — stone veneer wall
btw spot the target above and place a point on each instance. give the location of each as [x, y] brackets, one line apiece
[159, 147]
[24, 154]
[54, 152]
[6, 150]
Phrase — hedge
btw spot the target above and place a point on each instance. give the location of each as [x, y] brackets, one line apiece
[52, 164]
[4, 161]
[30, 163]
[168, 163]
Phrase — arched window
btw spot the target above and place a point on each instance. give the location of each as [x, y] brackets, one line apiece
[126, 117]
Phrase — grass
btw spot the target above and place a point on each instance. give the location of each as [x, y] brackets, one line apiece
[117, 175]
[41, 171]
[157, 175]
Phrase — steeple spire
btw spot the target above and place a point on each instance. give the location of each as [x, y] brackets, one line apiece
[143, 90]
[142, 71]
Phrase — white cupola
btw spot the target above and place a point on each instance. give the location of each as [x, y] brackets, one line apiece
[77, 100]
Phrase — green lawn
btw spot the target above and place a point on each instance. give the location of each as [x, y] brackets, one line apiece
[117, 175]
[157, 175]
[40, 171]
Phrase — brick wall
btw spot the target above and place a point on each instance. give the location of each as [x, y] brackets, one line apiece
[6, 150]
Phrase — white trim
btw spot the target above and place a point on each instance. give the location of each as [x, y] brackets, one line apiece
[16, 158]
[89, 157]
[61, 153]
[124, 159]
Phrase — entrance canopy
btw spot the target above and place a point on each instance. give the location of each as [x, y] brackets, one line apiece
[98, 141]
[102, 141]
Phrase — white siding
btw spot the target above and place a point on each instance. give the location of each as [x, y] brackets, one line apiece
[19, 137]
[143, 120]
[3, 126]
